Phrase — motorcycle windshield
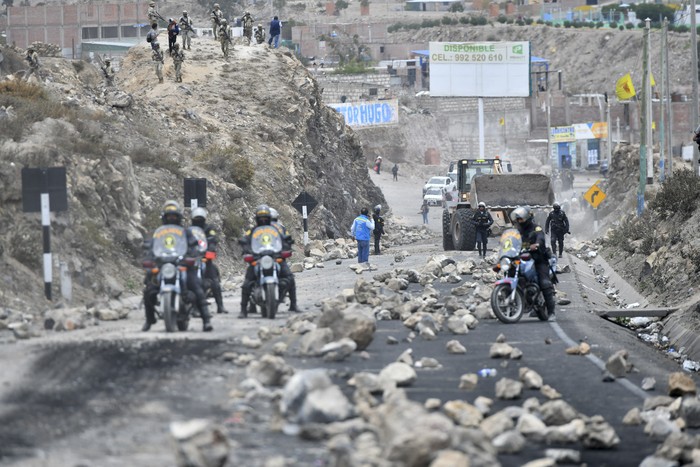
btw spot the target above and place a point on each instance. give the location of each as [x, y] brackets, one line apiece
[169, 242]
[201, 238]
[266, 240]
[510, 244]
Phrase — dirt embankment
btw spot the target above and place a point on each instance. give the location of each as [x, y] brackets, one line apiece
[253, 125]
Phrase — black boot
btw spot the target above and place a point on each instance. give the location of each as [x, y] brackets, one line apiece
[550, 302]
[244, 311]
[206, 319]
[146, 326]
[219, 302]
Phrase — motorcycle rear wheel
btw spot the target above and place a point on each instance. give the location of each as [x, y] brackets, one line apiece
[169, 312]
[506, 312]
[271, 302]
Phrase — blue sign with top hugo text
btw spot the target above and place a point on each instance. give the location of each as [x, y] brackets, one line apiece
[368, 114]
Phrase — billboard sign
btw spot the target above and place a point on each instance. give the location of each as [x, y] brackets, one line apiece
[591, 130]
[369, 114]
[480, 69]
[562, 134]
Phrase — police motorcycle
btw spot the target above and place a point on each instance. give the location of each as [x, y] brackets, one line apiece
[267, 255]
[517, 292]
[169, 248]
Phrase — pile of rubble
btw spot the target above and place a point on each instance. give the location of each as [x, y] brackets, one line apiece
[318, 252]
[377, 424]
[47, 50]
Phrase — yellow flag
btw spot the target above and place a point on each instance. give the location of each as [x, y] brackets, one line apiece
[653, 83]
[624, 88]
[502, 121]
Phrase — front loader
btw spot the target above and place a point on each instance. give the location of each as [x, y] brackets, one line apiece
[501, 192]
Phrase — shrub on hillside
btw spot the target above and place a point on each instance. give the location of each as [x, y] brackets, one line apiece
[629, 25]
[626, 235]
[502, 19]
[613, 25]
[567, 24]
[456, 7]
[226, 161]
[678, 194]
[478, 21]
[233, 224]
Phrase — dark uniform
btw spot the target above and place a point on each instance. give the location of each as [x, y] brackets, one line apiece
[263, 216]
[532, 234]
[559, 224]
[286, 274]
[378, 228]
[483, 220]
[172, 215]
[211, 272]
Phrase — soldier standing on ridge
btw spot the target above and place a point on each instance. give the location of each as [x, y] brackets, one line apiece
[153, 15]
[178, 58]
[216, 16]
[32, 59]
[260, 34]
[186, 31]
[247, 21]
[224, 37]
[157, 57]
[108, 73]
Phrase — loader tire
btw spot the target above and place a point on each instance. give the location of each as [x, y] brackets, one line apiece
[464, 230]
[447, 243]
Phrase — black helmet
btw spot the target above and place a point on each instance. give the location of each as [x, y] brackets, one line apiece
[556, 206]
[171, 213]
[263, 216]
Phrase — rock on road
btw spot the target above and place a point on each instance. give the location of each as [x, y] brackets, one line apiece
[107, 395]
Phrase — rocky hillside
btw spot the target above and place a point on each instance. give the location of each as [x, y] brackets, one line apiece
[254, 126]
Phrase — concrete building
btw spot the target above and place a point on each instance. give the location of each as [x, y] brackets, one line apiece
[430, 5]
[69, 26]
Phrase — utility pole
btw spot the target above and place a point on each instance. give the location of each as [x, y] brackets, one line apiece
[549, 124]
[608, 122]
[647, 106]
[694, 66]
[662, 119]
[669, 111]
[644, 146]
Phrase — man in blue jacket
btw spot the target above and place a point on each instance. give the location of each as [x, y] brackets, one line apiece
[361, 229]
[275, 31]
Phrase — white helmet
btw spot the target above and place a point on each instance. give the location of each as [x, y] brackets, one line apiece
[274, 215]
[482, 204]
[199, 212]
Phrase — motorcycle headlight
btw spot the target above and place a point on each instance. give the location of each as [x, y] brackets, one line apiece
[505, 264]
[266, 262]
[168, 270]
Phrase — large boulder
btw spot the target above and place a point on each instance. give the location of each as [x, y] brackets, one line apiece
[199, 443]
[356, 322]
[270, 370]
[310, 397]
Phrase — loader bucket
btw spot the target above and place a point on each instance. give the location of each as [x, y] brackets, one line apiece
[510, 190]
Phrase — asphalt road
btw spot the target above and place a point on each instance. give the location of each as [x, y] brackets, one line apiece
[105, 395]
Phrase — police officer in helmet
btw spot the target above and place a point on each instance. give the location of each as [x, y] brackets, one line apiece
[286, 274]
[534, 240]
[211, 272]
[483, 220]
[263, 216]
[172, 215]
[559, 223]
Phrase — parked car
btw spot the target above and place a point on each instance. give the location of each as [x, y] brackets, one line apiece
[439, 182]
[435, 196]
